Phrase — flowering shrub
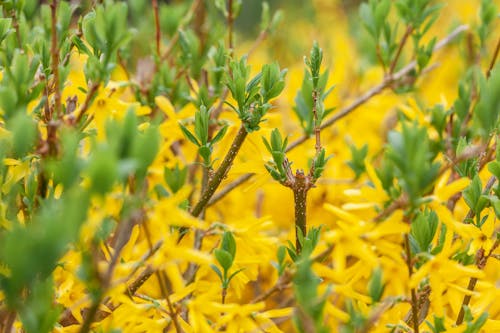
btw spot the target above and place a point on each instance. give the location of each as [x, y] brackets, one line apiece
[163, 173]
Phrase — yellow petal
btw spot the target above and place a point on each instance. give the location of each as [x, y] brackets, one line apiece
[165, 105]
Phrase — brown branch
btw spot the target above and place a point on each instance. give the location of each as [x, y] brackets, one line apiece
[379, 57]
[300, 189]
[121, 239]
[481, 261]
[407, 34]
[414, 300]
[494, 59]
[54, 52]
[15, 25]
[285, 279]
[154, 4]
[87, 102]
[221, 172]
[230, 24]
[9, 321]
[282, 283]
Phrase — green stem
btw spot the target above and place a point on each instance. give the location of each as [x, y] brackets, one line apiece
[221, 172]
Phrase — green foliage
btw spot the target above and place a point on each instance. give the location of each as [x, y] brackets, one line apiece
[66, 170]
[307, 242]
[357, 162]
[106, 31]
[486, 115]
[376, 286]
[475, 199]
[225, 256]
[305, 285]
[201, 135]
[420, 14]
[374, 15]
[52, 230]
[410, 153]
[253, 96]
[175, 177]
[487, 13]
[438, 325]
[313, 84]
[423, 229]
[319, 163]
[474, 326]
[17, 87]
[277, 148]
[281, 264]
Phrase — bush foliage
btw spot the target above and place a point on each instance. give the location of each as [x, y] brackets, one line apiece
[164, 170]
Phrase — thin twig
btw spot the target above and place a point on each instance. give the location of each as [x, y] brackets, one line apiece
[407, 34]
[123, 235]
[317, 130]
[54, 51]
[494, 59]
[88, 101]
[300, 188]
[282, 283]
[230, 23]
[414, 300]
[15, 25]
[481, 261]
[221, 172]
[154, 4]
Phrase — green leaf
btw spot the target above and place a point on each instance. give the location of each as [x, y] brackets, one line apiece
[233, 274]
[217, 271]
[228, 243]
[281, 254]
[375, 285]
[473, 196]
[423, 229]
[224, 258]
[357, 162]
[5, 28]
[219, 135]
[102, 169]
[494, 168]
[205, 152]
[189, 135]
[24, 133]
[175, 177]
[144, 149]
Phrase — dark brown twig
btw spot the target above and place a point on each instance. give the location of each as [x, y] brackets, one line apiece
[414, 299]
[494, 59]
[394, 62]
[54, 52]
[230, 24]
[88, 101]
[154, 4]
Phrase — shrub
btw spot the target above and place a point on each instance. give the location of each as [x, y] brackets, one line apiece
[157, 164]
